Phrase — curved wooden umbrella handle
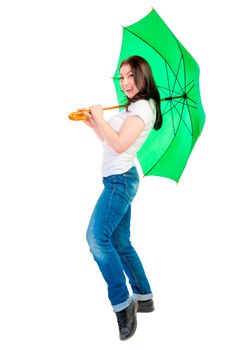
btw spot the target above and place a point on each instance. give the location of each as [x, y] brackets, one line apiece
[78, 116]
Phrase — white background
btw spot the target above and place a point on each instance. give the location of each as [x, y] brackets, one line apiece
[57, 56]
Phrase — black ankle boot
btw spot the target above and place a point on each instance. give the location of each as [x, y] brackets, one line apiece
[127, 321]
[145, 305]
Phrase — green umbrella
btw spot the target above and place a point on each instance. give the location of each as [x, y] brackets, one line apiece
[166, 151]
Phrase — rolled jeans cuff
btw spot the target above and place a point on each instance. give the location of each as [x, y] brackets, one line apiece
[142, 297]
[121, 306]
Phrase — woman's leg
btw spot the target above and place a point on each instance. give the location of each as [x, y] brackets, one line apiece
[108, 212]
[130, 260]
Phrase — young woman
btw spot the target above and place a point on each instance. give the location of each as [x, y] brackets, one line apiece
[108, 233]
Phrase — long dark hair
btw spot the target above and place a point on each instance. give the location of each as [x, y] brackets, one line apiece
[144, 80]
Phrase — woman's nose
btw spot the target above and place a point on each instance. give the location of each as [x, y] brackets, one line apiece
[125, 81]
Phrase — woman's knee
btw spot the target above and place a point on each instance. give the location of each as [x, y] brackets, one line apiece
[90, 237]
[98, 242]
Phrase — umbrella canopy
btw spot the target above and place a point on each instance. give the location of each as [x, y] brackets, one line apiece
[176, 73]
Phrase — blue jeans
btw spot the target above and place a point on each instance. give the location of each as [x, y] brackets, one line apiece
[108, 236]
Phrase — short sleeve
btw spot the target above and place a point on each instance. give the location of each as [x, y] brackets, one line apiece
[144, 110]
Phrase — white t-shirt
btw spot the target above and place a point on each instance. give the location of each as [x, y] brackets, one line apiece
[115, 163]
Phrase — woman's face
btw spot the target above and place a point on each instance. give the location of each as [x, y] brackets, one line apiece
[127, 82]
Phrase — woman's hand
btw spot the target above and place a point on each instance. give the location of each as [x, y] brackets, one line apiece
[89, 121]
[96, 113]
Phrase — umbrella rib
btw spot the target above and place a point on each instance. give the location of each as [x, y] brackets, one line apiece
[190, 97]
[168, 81]
[176, 76]
[181, 118]
[180, 114]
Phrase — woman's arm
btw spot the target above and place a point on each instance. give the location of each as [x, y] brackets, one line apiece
[122, 140]
[95, 129]
[98, 133]
[92, 124]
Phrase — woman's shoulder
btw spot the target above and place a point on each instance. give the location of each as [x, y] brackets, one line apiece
[144, 109]
[139, 105]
